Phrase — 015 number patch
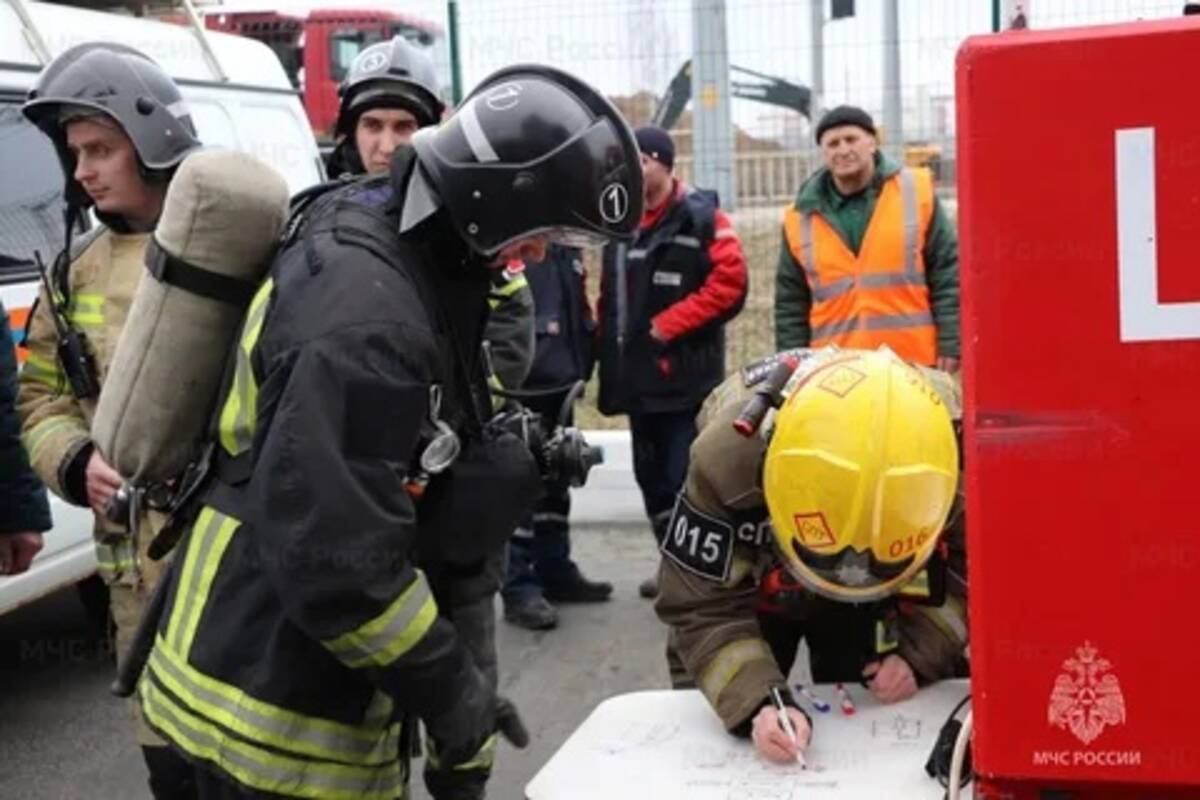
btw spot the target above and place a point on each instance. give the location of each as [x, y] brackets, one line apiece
[699, 543]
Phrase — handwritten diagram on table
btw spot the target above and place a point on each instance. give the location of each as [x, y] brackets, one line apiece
[663, 745]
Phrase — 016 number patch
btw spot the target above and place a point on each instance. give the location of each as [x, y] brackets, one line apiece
[699, 543]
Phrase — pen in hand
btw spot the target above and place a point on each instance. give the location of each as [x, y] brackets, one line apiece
[785, 720]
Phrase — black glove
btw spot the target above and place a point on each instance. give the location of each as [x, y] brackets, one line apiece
[461, 731]
[510, 724]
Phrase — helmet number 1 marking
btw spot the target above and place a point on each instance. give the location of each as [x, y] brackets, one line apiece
[614, 203]
[504, 97]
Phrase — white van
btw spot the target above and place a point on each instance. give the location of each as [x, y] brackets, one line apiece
[250, 107]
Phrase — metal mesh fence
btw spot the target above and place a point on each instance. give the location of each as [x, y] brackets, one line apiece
[632, 49]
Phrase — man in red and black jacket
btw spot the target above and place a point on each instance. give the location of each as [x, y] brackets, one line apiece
[664, 302]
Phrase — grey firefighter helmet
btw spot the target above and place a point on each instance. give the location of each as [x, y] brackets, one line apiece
[391, 74]
[534, 150]
[123, 84]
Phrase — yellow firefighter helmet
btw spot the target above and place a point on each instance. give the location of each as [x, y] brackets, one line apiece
[860, 475]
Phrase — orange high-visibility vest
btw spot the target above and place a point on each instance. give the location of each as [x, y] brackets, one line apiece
[879, 296]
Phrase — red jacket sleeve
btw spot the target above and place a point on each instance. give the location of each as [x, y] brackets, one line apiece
[723, 293]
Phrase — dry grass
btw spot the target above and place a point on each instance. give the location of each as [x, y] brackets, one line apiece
[751, 334]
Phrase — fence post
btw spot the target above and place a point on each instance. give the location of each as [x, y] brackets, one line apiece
[456, 89]
[712, 144]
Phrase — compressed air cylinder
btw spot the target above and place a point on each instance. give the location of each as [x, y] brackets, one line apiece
[221, 221]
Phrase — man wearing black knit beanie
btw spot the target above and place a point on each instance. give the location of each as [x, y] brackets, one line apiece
[868, 256]
[664, 302]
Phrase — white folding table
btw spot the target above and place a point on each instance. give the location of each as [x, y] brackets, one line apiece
[662, 745]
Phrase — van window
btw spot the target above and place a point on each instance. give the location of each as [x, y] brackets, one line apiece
[31, 206]
[279, 135]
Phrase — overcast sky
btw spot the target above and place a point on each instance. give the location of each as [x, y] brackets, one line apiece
[626, 45]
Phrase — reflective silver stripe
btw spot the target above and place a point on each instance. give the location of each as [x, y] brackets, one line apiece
[871, 280]
[882, 323]
[636, 253]
[806, 251]
[834, 329]
[522, 533]
[893, 321]
[834, 290]
[261, 722]
[265, 769]
[393, 633]
[908, 194]
[237, 414]
[880, 280]
[686, 241]
[476, 138]
[549, 516]
[198, 571]
[728, 662]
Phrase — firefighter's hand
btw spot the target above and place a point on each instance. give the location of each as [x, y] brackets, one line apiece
[102, 482]
[17, 551]
[466, 731]
[891, 680]
[772, 741]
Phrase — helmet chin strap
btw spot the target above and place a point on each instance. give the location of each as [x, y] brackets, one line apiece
[61, 268]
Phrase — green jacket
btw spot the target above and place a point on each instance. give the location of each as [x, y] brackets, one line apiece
[849, 216]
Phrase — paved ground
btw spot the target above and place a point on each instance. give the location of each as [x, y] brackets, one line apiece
[62, 736]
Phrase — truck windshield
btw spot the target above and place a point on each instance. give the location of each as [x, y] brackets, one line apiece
[344, 46]
[31, 205]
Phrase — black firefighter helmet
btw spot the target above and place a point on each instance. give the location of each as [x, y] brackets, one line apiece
[534, 150]
[125, 85]
[391, 74]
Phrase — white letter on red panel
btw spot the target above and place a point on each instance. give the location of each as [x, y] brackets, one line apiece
[1143, 318]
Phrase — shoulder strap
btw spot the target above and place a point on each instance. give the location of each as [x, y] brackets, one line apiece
[85, 240]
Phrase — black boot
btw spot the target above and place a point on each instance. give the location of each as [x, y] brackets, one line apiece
[532, 612]
[572, 587]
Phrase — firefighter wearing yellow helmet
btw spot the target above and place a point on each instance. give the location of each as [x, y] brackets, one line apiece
[835, 523]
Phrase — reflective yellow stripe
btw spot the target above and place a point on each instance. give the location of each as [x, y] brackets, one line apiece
[393, 633]
[262, 768]
[210, 536]
[86, 310]
[36, 437]
[498, 401]
[917, 587]
[728, 662]
[886, 638]
[372, 744]
[511, 287]
[483, 758]
[115, 556]
[236, 426]
[41, 370]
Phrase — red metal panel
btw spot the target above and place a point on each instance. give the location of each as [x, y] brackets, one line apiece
[1083, 432]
